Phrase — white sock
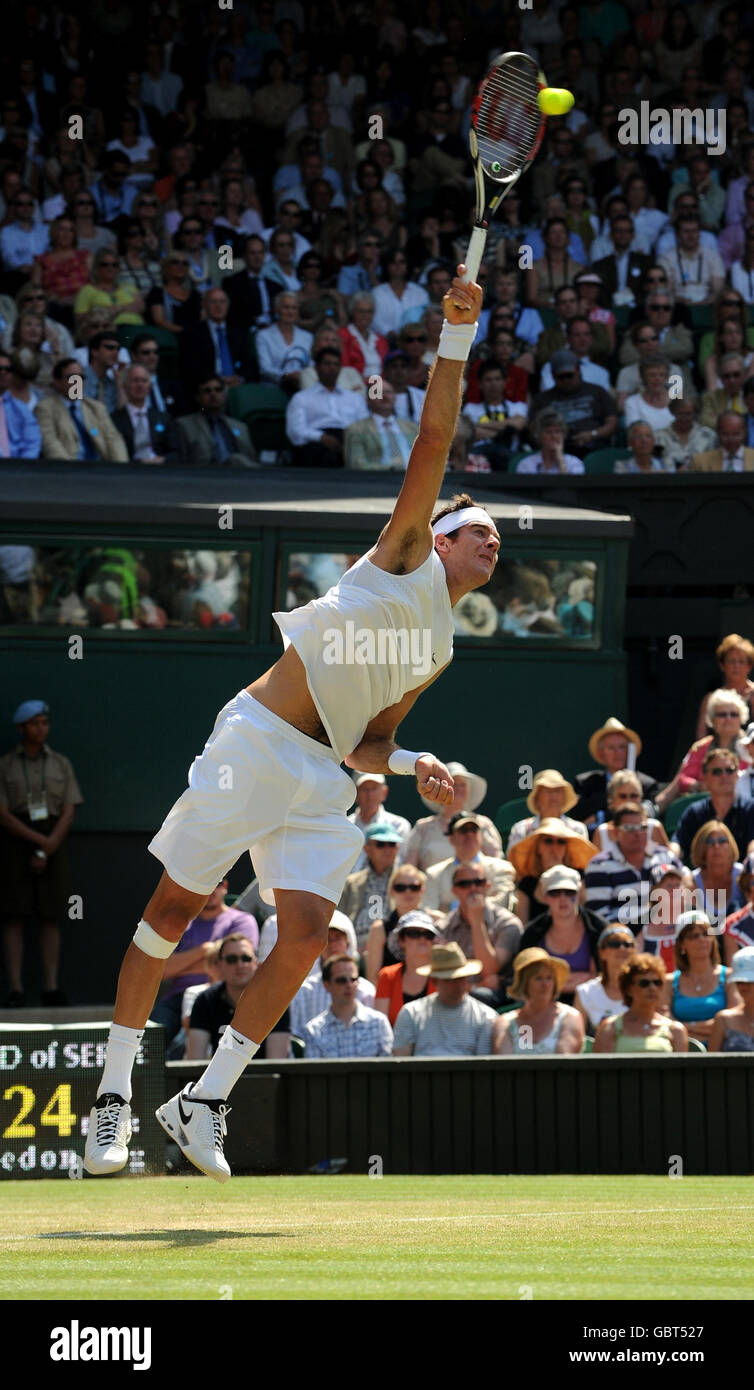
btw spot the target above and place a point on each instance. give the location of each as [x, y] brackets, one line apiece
[223, 1070]
[122, 1046]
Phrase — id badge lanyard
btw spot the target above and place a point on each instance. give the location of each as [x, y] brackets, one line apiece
[36, 805]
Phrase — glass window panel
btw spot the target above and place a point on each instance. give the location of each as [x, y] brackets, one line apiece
[536, 597]
[115, 587]
[309, 574]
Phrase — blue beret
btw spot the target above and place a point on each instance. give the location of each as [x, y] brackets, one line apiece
[29, 709]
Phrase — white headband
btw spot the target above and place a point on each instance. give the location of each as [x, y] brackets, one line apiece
[467, 516]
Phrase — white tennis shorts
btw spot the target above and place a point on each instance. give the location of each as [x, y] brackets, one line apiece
[261, 785]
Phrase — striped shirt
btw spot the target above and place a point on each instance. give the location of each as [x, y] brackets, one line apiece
[433, 1029]
[613, 886]
[368, 1034]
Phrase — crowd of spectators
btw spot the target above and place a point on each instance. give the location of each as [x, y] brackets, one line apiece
[605, 910]
[199, 204]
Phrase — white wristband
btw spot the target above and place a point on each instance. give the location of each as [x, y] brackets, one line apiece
[456, 340]
[404, 763]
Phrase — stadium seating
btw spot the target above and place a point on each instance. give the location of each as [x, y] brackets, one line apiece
[262, 408]
[602, 460]
[507, 815]
[675, 811]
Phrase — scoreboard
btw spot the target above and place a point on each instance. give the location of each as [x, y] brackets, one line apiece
[49, 1075]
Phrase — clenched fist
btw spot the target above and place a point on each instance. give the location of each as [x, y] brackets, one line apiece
[462, 303]
[433, 780]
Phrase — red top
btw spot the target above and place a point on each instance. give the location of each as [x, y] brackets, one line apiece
[352, 353]
[63, 279]
[516, 386]
[390, 986]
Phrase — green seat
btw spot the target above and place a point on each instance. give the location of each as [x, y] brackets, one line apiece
[168, 342]
[602, 460]
[588, 1044]
[262, 408]
[622, 314]
[548, 315]
[515, 459]
[675, 811]
[702, 317]
[298, 1046]
[696, 1046]
[507, 815]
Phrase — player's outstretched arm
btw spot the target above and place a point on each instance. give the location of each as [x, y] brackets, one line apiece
[407, 538]
[377, 746]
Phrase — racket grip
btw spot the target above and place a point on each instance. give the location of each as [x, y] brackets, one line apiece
[474, 254]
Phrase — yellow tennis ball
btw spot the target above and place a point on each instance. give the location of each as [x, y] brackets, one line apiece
[555, 101]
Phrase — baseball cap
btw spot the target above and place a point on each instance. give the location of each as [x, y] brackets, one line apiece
[560, 876]
[383, 834]
[29, 709]
[660, 871]
[743, 966]
[563, 361]
[363, 777]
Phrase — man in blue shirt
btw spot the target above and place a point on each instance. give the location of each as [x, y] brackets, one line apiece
[20, 435]
[23, 238]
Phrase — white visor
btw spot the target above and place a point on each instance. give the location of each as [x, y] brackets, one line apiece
[467, 516]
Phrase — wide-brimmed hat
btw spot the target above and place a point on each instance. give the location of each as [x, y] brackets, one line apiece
[553, 779]
[523, 855]
[612, 726]
[535, 955]
[449, 963]
[477, 787]
[743, 966]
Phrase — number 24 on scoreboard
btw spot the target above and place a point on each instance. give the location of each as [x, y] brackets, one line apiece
[56, 1113]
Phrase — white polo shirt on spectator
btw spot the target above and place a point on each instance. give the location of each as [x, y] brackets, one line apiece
[367, 1034]
[312, 412]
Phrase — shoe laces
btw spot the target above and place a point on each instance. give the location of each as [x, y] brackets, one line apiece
[219, 1125]
[109, 1119]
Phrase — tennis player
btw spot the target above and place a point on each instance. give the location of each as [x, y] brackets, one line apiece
[270, 778]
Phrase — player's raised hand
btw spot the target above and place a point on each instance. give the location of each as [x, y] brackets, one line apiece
[463, 302]
[434, 781]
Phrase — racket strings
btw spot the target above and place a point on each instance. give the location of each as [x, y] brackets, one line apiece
[508, 121]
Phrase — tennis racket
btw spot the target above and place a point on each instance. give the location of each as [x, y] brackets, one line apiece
[507, 129]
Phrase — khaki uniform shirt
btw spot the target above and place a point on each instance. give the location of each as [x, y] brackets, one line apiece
[51, 773]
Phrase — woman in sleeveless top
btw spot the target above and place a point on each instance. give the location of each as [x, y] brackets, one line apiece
[642, 1028]
[717, 870]
[601, 997]
[399, 984]
[733, 1029]
[407, 897]
[542, 1025]
[700, 986]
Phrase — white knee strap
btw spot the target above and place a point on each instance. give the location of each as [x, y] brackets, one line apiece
[151, 943]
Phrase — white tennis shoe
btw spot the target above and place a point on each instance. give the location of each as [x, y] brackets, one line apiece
[198, 1128]
[108, 1135]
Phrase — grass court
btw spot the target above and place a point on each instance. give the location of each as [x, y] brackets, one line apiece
[349, 1237]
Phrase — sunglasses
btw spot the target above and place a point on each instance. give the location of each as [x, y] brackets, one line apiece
[619, 945]
[345, 980]
[716, 840]
[406, 887]
[236, 960]
[727, 714]
[661, 309]
[634, 829]
[553, 840]
[722, 771]
[650, 984]
[416, 338]
[561, 893]
[416, 934]
[470, 883]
